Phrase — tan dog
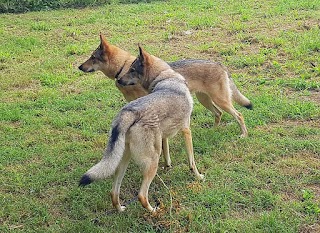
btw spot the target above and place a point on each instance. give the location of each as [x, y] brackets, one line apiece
[210, 81]
[139, 128]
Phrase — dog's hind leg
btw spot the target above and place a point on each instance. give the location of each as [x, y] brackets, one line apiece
[145, 146]
[149, 172]
[189, 147]
[226, 105]
[165, 151]
[118, 176]
[206, 101]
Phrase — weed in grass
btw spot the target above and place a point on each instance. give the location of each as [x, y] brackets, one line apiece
[26, 43]
[248, 61]
[264, 200]
[4, 56]
[310, 207]
[230, 50]
[51, 80]
[40, 26]
[74, 50]
[301, 84]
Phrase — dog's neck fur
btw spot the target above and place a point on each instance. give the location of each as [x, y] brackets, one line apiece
[164, 80]
[123, 69]
[160, 73]
[150, 75]
[117, 59]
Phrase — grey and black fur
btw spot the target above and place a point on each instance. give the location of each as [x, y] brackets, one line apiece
[141, 126]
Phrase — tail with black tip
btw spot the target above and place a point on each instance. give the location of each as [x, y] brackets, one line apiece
[114, 151]
[238, 97]
[85, 180]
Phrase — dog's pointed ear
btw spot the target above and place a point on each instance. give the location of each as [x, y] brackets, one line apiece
[104, 44]
[143, 55]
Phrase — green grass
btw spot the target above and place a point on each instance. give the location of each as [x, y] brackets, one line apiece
[22, 6]
[54, 119]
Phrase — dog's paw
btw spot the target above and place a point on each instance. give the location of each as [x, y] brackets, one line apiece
[200, 177]
[155, 209]
[121, 208]
[244, 135]
[152, 210]
[168, 163]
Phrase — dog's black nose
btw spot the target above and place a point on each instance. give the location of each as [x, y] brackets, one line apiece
[119, 81]
[81, 67]
[124, 82]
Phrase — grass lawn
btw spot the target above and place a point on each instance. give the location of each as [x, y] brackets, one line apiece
[54, 119]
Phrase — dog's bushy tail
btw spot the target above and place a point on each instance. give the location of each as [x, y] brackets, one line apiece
[114, 151]
[238, 97]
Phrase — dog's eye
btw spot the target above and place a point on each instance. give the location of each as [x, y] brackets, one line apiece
[132, 70]
[93, 57]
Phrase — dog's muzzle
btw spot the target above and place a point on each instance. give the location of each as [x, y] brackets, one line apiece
[121, 82]
[84, 70]
[124, 83]
[81, 68]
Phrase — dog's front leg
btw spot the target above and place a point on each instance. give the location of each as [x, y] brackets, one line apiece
[189, 147]
[165, 151]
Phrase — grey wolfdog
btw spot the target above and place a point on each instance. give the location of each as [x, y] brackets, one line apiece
[141, 125]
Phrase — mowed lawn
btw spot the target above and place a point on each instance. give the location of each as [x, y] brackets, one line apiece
[55, 120]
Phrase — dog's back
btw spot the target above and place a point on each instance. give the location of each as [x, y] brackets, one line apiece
[194, 68]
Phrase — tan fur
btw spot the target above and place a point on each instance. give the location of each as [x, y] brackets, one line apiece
[208, 80]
